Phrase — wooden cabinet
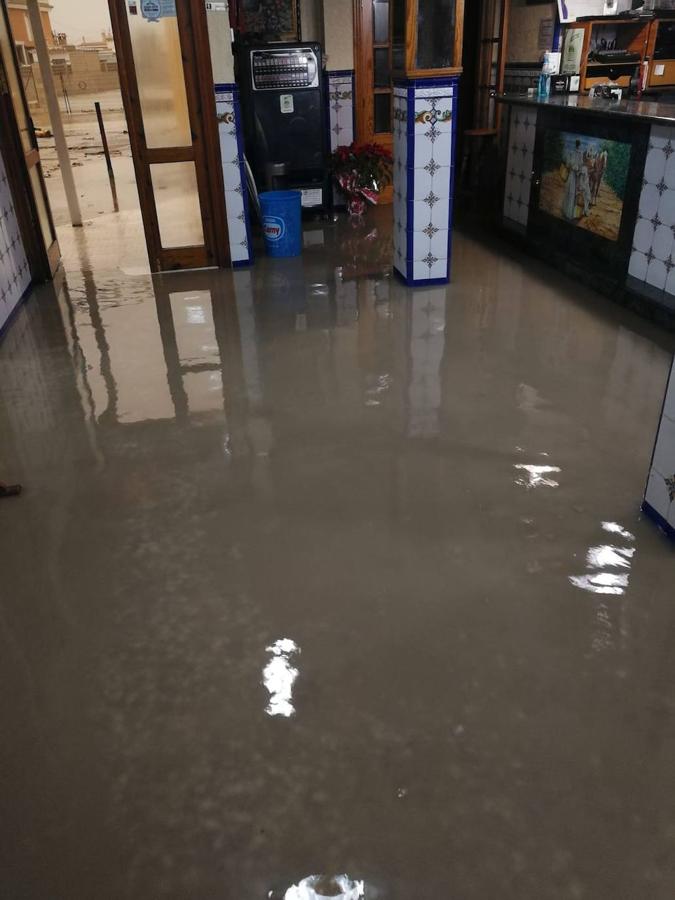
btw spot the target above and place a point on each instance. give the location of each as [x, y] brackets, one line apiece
[612, 34]
[427, 37]
[652, 41]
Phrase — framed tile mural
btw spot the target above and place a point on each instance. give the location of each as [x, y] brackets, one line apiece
[272, 19]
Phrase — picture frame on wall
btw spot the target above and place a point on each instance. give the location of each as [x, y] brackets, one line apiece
[275, 20]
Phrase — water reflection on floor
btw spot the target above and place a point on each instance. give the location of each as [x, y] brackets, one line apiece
[315, 574]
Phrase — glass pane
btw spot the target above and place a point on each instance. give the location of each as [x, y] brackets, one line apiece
[41, 204]
[435, 34]
[398, 36]
[177, 202]
[382, 71]
[14, 88]
[381, 21]
[382, 113]
[161, 82]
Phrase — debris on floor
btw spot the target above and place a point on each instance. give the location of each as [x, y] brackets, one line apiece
[10, 490]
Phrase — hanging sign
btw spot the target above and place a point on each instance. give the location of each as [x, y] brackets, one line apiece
[154, 10]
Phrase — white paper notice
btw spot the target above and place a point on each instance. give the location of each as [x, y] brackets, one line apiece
[660, 69]
[571, 10]
[312, 197]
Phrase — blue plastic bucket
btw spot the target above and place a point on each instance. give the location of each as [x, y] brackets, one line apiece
[282, 222]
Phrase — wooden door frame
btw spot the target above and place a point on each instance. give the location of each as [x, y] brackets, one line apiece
[502, 40]
[204, 151]
[43, 261]
[364, 86]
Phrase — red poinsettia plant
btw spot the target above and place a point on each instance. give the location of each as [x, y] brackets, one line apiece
[361, 172]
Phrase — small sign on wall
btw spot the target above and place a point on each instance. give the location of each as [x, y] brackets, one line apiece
[154, 10]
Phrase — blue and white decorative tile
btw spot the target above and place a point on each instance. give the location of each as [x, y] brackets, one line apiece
[518, 185]
[15, 276]
[340, 92]
[652, 259]
[230, 132]
[660, 495]
[424, 136]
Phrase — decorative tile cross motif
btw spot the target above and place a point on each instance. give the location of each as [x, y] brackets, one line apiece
[430, 230]
[430, 259]
[432, 167]
[431, 199]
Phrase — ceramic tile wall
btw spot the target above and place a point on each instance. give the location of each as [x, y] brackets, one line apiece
[522, 134]
[232, 156]
[340, 88]
[424, 169]
[652, 259]
[14, 272]
[660, 496]
[341, 107]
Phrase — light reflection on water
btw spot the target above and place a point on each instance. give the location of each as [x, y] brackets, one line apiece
[604, 558]
[537, 476]
[279, 677]
[335, 887]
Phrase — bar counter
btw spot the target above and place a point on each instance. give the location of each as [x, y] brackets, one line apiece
[590, 186]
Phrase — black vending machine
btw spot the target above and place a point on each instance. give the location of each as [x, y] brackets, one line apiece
[284, 113]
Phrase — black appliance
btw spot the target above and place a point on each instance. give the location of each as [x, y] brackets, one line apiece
[285, 118]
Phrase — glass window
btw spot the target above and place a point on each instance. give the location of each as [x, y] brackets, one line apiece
[435, 34]
[382, 113]
[381, 21]
[161, 81]
[382, 72]
[177, 202]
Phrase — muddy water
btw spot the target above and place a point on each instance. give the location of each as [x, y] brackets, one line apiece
[304, 582]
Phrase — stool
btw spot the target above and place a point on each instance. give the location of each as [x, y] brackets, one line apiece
[476, 142]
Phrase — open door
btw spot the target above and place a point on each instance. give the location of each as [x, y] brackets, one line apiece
[22, 159]
[167, 87]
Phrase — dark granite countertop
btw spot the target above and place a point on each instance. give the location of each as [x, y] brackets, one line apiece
[646, 110]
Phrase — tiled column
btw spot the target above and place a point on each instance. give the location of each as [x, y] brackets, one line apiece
[424, 175]
[659, 501]
[230, 128]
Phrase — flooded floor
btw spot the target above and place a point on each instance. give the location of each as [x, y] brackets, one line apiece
[315, 575]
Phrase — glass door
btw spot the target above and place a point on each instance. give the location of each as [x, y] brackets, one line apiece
[164, 65]
[23, 159]
[374, 88]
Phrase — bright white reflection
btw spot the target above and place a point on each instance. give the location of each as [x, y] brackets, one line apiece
[606, 555]
[195, 315]
[335, 887]
[603, 559]
[537, 476]
[279, 677]
[601, 583]
[615, 528]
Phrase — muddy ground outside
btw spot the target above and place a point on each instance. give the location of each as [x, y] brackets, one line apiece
[86, 151]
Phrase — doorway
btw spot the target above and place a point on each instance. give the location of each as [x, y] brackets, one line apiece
[167, 88]
[22, 160]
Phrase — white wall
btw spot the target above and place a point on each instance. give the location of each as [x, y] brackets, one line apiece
[524, 25]
[311, 20]
[221, 47]
[338, 27]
